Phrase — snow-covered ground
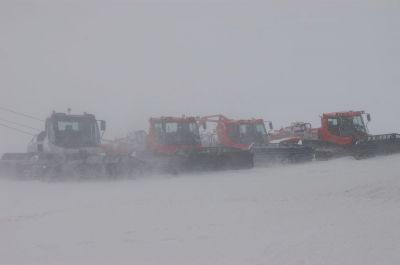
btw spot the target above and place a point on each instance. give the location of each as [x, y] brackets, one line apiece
[335, 212]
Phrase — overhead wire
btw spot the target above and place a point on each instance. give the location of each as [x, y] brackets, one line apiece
[16, 129]
[21, 114]
[20, 124]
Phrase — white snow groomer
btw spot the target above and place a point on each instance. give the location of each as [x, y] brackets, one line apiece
[70, 146]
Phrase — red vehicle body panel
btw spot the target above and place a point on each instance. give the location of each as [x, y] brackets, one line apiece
[222, 129]
[325, 135]
[154, 146]
[321, 134]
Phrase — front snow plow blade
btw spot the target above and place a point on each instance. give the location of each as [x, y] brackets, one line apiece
[282, 153]
[71, 166]
[22, 165]
[384, 144]
[209, 159]
[219, 158]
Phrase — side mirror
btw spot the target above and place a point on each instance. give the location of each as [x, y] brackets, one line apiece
[271, 127]
[103, 125]
[368, 117]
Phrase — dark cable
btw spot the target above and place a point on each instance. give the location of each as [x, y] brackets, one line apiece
[21, 114]
[16, 129]
[20, 124]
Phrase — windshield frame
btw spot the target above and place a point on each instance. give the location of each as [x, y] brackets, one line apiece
[75, 132]
[346, 126]
[177, 132]
[247, 133]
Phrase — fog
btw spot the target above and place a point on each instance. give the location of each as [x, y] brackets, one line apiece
[125, 61]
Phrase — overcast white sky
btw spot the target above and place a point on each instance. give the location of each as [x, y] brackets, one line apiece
[128, 60]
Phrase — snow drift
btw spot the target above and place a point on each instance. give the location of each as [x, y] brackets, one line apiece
[334, 212]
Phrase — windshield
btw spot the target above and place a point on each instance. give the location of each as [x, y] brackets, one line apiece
[178, 133]
[247, 133]
[76, 132]
[347, 126]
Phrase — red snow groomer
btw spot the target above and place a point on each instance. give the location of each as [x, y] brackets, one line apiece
[252, 135]
[342, 134]
[173, 145]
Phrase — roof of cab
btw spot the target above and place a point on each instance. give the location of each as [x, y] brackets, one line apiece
[350, 113]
